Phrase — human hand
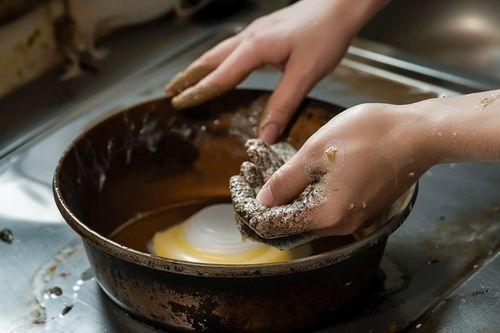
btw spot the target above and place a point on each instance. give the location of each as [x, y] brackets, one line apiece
[305, 40]
[364, 159]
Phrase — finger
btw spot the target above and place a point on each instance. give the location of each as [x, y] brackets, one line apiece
[232, 71]
[251, 175]
[286, 183]
[263, 157]
[201, 67]
[296, 82]
[186, 78]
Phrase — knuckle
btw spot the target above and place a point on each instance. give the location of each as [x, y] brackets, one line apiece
[362, 108]
[314, 142]
[369, 108]
[256, 40]
[281, 109]
[257, 23]
[280, 182]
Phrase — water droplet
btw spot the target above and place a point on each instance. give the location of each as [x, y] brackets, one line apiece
[102, 180]
[109, 147]
[87, 274]
[363, 204]
[412, 174]
[203, 128]
[418, 325]
[440, 134]
[351, 206]
[454, 133]
[348, 283]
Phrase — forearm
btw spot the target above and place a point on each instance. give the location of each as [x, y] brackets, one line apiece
[354, 13]
[463, 128]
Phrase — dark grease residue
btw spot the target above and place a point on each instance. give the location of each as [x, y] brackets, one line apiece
[54, 292]
[66, 309]
[6, 236]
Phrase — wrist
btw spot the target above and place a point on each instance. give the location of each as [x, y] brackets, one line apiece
[361, 11]
[352, 14]
[423, 136]
[438, 133]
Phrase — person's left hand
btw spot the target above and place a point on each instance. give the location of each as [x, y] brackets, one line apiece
[304, 40]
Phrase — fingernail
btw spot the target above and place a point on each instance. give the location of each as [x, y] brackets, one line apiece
[269, 133]
[168, 91]
[182, 80]
[265, 196]
[196, 95]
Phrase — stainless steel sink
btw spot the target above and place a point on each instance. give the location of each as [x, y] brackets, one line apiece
[462, 36]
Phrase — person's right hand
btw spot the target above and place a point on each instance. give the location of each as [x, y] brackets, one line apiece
[369, 155]
[306, 40]
[361, 161]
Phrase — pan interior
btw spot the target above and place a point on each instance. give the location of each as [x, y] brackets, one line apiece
[138, 232]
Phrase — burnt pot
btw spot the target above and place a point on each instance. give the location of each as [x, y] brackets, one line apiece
[150, 156]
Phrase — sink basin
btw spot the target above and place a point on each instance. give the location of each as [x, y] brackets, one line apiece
[459, 34]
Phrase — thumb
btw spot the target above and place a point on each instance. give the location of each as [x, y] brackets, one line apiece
[285, 184]
[293, 87]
